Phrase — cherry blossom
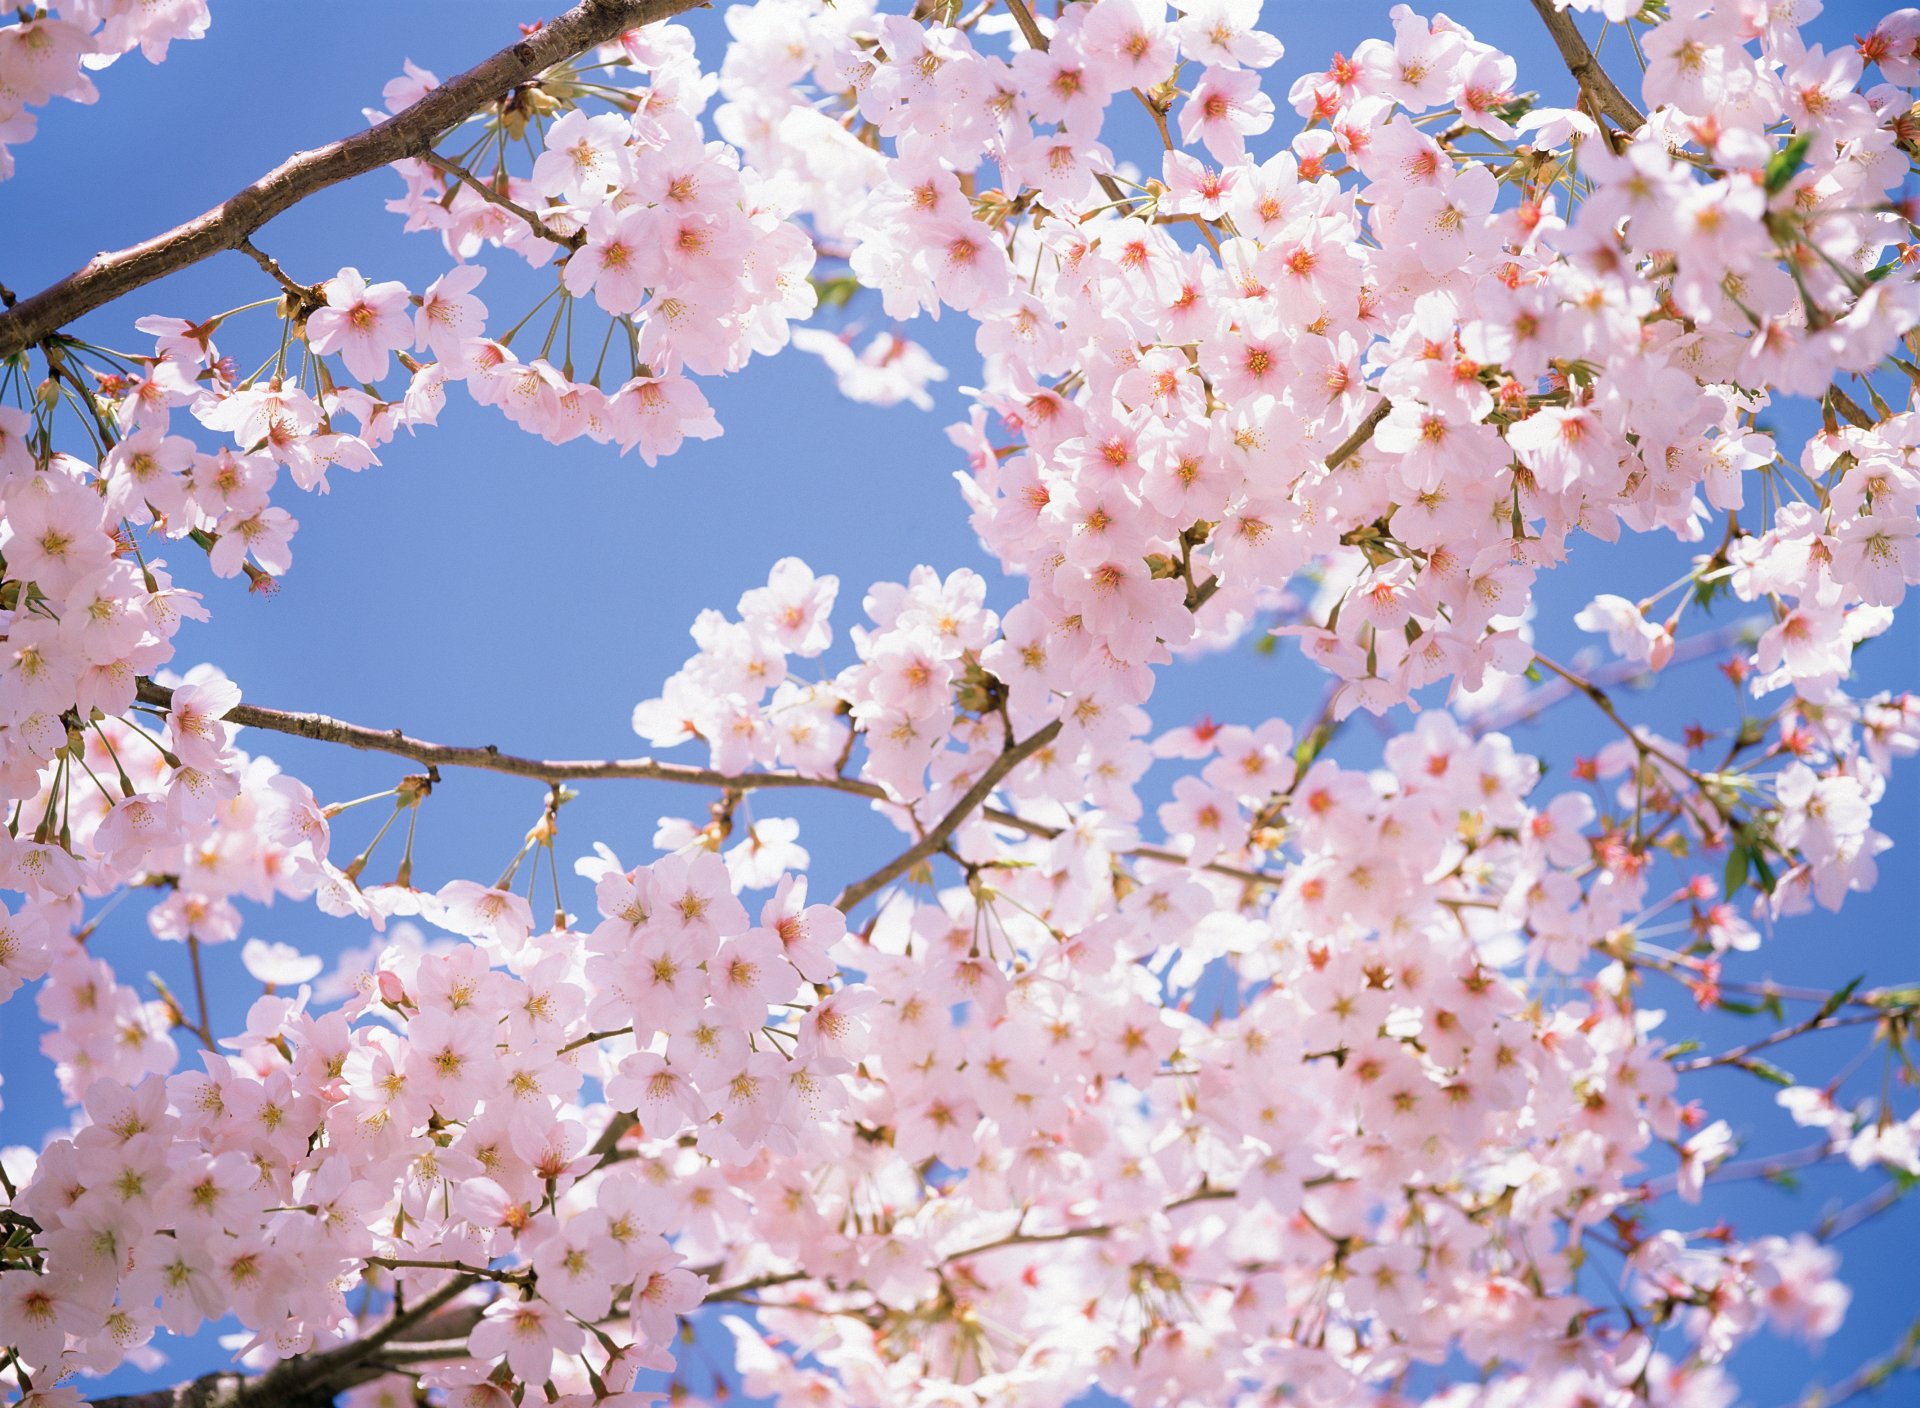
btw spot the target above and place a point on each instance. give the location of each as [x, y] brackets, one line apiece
[1191, 1061]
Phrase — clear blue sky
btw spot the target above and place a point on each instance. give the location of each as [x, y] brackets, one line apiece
[451, 591]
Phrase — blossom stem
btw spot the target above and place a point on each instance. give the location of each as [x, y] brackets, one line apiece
[506, 203]
[205, 1029]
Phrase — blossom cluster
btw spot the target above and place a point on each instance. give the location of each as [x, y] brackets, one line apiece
[47, 52]
[693, 258]
[1198, 1064]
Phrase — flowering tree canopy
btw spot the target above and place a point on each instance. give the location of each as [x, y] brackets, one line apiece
[1203, 1064]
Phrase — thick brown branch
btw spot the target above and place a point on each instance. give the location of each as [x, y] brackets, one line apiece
[1600, 89]
[108, 276]
[937, 836]
[312, 1380]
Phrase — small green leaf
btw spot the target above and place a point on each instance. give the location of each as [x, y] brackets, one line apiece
[1706, 592]
[1312, 745]
[1766, 1070]
[1736, 876]
[835, 292]
[1787, 162]
[1838, 1000]
[1511, 112]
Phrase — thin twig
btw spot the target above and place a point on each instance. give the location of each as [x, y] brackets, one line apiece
[322, 729]
[488, 193]
[1812, 1024]
[1538, 700]
[1604, 703]
[1868, 1208]
[1199, 596]
[945, 827]
[1870, 1376]
[303, 295]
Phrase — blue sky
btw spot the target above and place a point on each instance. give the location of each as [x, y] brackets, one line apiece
[452, 591]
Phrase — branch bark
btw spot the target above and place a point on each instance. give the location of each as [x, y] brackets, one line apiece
[487, 757]
[312, 1380]
[1199, 596]
[106, 277]
[1601, 90]
[945, 827]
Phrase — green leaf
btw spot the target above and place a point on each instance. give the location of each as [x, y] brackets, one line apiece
[1705, 593]
[1787, 162]
[1736, 876]
[1767, 1071]
[1519, 107]
[835, 292]
[1838, 1000]
[1311, 746]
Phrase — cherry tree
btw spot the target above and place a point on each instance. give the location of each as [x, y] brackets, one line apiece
[1194, 1064]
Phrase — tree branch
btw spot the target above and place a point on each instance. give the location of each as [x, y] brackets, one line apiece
[1871, 1376]
[312, 1380]
[513, 207]
[945, 827]
[1538, 700]
[1199, 596]
[106, 277]
[1601, 90]
[489, 758]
